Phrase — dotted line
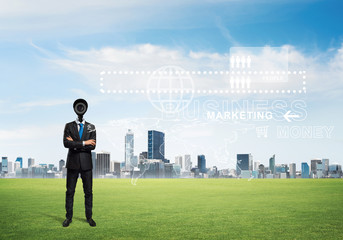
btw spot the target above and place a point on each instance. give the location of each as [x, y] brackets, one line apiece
[202, 72]
[204, 91]
[210, 91]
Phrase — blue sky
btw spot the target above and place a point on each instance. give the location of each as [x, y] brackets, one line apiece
[48, 50]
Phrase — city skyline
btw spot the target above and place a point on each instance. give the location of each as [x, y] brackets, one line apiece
[102, 162]
[103, 167]
[131, 150]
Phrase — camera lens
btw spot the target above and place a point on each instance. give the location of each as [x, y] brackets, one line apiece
[80, 108]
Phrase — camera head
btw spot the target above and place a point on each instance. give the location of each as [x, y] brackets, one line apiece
[80, 108]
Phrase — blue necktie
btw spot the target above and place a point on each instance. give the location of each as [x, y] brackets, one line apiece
[81, 130]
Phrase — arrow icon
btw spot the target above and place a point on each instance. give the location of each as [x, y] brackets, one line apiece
[288, 116]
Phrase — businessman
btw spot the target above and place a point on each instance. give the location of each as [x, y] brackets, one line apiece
[80, 138]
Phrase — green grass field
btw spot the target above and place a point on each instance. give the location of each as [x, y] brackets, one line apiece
[176, 209]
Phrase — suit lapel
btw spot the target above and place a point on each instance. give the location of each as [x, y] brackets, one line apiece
[76, 131]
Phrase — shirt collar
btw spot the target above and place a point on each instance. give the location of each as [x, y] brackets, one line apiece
[78, 122]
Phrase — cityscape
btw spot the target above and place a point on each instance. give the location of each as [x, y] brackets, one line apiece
[153, 164]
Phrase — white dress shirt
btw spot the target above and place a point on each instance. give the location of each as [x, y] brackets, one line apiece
[78, 127]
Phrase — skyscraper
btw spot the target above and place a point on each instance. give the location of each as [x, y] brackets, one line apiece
[280, 168]
[94, 163]
[129, 147]
[16, 165]
[143, 156]
[320, 170]
[261, 171]
[272, 164]
[244, 162]
[314, 166]
[134, 161]
[102, 163]
[20, 159]
[156, 144]
[187, 165]
[305, 170]
[61, 163]
[30, 162]
[335, 170]
[10, 166]
[325, 166]
[292, 170]
[4, 164]
[256, 165]
[202, 163]
[50, 166]
[178, 160]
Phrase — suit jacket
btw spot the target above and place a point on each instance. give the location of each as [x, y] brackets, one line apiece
[79, 155]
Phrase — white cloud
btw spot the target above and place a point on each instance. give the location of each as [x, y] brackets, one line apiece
[85, 16]
[31, 133]
[10, 107]
[45, 103]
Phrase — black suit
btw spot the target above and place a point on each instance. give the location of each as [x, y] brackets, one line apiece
[79, 160]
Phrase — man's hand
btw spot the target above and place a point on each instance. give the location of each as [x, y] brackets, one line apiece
[69, 139]
[90, 142]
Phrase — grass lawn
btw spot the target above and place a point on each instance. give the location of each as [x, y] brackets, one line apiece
[176, 209]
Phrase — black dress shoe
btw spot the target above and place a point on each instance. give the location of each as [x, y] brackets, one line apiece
[91, 222]
[66, 222]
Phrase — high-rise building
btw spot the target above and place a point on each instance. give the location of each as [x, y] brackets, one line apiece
[305, 170]
[280, 168]
[143, 156]
[261, 171]
[50, 166]
[153, 168]
[244, 163]
[178, 160]
[156, 143]
[30, 162]
[102, 163]
[94, 163]
[116, 168]
[16, 165]
[326, 164]
[134, 162]
[187, 164]
[61, 163]
[314, 166]
[129, 150]
[111, 166]
[20, 159]
[335, 170]
[10, 167]
[320, 170]
[256, 165]
[4, 164]
[272, 164]
[202, 163]
[292, 170]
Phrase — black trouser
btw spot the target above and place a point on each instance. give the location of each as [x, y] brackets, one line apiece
[87, 180]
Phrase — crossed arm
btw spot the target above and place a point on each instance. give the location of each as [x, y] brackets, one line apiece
[69, 142]
[87, 142]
